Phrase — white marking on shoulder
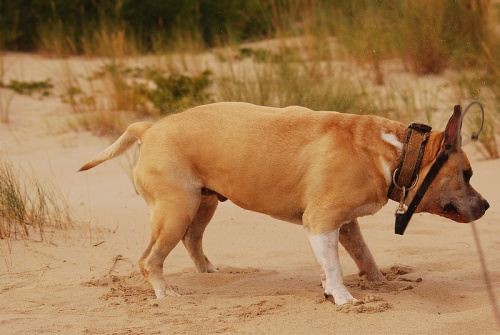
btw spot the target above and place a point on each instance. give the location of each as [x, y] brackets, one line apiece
[392, 140]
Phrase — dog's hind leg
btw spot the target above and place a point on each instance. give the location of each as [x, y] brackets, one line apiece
[194, 234]
[352, 240]
[170, 218]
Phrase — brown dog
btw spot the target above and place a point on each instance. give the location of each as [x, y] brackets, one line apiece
[319, 169]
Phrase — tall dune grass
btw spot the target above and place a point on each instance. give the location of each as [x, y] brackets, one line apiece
[29, 205]
[6, 96]
[281, 72]
[288, 77]
[426, 36]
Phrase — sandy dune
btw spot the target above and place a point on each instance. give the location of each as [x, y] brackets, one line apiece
[85, 280]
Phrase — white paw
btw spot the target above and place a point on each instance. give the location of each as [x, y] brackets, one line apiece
[340, 295]
[211, 268]
[162, 293]
[207, 268]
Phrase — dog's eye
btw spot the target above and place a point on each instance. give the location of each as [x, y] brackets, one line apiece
[467, 175]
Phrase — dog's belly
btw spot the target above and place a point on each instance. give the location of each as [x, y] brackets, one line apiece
[296, 219]
[284, 203]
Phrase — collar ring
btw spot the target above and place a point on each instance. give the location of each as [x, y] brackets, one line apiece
[412, 186]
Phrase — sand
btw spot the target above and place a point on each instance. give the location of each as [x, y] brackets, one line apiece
[85, 279]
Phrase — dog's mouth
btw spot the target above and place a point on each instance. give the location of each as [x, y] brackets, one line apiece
[450, 211]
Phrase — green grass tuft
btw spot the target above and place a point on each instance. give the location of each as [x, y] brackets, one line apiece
[29, 205]
[42, 87]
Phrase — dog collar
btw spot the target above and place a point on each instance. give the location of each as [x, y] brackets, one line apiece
[403, 217]
[405, 176]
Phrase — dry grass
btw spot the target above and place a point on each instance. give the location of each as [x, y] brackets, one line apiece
[6, 96]
[123, 89]
[29, 205]
[288, 77]
[312, 72]
[282, 72]
[427, 36]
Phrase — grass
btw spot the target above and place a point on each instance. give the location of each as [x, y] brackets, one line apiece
[42, 87]
[426, 37]
[287, 80]
[477, 86]
[29, 205]
[282, 72]
[7, 91]
[6, 96]
[55, 39]
[120, 93]
[302, 76]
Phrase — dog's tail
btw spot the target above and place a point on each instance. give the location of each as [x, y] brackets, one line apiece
[134, 132]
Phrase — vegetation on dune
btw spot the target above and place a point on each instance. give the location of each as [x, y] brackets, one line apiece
[426, 37]
[29, 204]
[77, 25]
[42, 87]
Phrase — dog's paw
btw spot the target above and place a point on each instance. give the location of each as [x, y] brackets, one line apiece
[207, 268]
[211, 268]
[167, 291]
[374, 275]
[341, 296]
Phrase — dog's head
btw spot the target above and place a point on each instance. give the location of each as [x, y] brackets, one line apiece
[446, 195]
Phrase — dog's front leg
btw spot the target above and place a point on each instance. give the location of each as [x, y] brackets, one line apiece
[325, 249]
[352, 240]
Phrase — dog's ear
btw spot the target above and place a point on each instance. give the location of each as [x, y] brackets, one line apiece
[452, 128]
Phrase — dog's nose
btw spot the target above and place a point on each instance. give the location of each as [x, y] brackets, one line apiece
[486, 205]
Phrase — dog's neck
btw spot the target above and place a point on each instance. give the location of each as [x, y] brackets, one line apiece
[405, 176]
[432, 148]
